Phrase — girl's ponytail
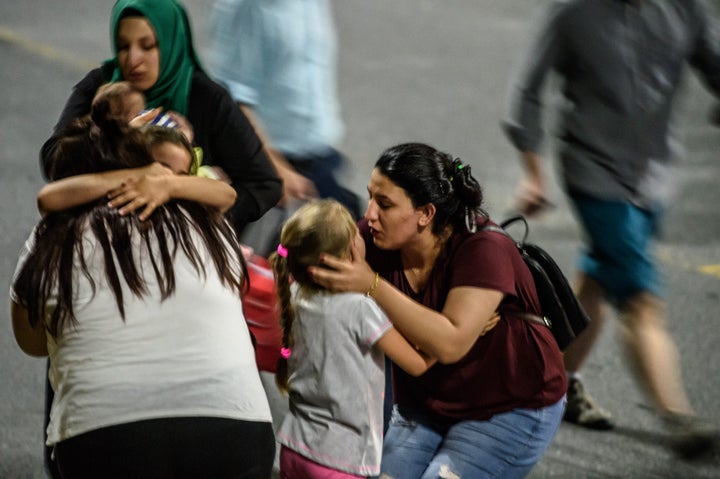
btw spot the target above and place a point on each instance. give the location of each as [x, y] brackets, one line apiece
[287, 316]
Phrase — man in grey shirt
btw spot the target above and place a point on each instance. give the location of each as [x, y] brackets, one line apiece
[620, 63]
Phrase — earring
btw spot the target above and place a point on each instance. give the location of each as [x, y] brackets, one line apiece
[470, 220]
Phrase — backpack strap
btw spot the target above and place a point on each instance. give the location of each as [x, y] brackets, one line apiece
[533, 318]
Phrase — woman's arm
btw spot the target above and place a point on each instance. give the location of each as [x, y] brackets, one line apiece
[78, 190]
[447, 336]
[31, 340]
[150, 191]
[402, 353]
[294, 184]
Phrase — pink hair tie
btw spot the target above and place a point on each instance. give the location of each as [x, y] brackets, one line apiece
[282, 251]
[285, 352]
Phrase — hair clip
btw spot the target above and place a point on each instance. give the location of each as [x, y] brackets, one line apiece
[282, 251]
[285, 352]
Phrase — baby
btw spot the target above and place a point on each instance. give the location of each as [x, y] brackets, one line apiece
[128, 103]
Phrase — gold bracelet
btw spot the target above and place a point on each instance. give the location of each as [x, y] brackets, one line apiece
[374, 285]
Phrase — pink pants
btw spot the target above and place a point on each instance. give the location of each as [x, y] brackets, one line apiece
[295, 466]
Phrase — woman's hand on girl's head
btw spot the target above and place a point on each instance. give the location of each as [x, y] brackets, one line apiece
[183, 125]
[338, 274]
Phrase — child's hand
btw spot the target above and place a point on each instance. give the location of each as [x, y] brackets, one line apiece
[148, 192]
[491, 324]
[183, 125]
[145, 118]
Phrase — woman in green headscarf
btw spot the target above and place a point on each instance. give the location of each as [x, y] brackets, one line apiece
[168, 22]
[153, 48]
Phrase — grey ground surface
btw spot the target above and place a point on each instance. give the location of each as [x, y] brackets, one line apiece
[427, 70]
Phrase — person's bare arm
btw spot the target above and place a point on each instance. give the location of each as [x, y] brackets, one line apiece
[401, 352]
[78, 190]
[31, 340]
[530, 193]
[295, 185]
[447, 335]
[150, 191]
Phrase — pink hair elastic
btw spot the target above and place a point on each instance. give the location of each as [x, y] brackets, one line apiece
[282, 251]
[285, 352]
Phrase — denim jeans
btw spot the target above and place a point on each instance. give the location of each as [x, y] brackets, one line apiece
[506, 446]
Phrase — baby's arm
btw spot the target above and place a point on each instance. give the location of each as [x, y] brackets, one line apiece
[404, 354]
[151, 191]
[77, 190]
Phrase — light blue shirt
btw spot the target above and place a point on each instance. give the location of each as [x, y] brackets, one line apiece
[279, 57]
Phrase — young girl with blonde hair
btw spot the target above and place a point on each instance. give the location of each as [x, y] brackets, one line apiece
[332, 361]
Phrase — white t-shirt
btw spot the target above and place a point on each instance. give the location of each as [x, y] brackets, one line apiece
[337, 382]
[189, 355]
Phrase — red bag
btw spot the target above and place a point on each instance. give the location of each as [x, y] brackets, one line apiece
[262, 314]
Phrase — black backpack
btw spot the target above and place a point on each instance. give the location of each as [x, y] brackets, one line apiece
[560, 307]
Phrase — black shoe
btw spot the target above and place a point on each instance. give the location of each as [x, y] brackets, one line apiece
[692, 438]
[582, 410]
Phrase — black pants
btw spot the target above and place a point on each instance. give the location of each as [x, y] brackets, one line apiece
[182, 447]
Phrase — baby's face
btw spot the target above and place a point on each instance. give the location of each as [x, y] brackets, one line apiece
[173, 156]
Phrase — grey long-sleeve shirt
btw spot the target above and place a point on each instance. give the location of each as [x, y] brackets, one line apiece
[620, 63]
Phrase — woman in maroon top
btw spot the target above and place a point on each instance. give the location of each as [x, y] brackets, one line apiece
[493, 403]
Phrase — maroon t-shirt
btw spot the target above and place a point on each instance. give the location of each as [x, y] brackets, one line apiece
[517, 364]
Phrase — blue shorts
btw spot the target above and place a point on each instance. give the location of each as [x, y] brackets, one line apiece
[618, 253]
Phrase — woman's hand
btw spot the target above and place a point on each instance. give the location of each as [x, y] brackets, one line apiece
[295, 185]
[148, 191]
[183, 125]
[352, 274]
[145, 118]
[530, 194]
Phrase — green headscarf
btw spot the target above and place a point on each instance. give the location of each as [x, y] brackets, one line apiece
[178, 59]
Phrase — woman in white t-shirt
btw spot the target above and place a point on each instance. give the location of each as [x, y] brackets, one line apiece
[151, 361]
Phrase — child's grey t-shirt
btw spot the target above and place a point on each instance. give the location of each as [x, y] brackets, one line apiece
[337, 382]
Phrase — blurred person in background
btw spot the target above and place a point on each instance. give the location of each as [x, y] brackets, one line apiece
[278, 60]
[620, 63]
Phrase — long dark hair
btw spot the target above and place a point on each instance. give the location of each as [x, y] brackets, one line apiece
[101, 143]
[430, 176]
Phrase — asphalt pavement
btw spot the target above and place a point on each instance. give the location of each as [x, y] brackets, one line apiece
[410, 70]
